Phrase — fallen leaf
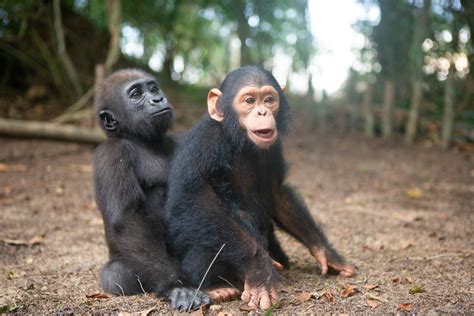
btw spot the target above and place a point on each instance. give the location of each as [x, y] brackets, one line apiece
[215, 308]
[405, 307]
[99, 295]
[405, 244]
[414, 193]
[6, 202]
[376, 298]
[303, 296]
[245, 308]
[38, 239]
[328, 296]
[8, 309]
[372, 304]
[12, 167]
[370, 286]
[146, 312]
[6, 191]
[200, 311]
[396, 280]
[348, 291]
[409, 280]
[82, 168]
[416, 289]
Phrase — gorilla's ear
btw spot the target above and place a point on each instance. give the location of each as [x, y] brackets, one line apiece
[108, 120]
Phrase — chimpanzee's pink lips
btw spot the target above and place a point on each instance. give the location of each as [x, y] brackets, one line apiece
[266, 134]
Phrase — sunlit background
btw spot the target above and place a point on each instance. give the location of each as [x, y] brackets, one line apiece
[378, 66]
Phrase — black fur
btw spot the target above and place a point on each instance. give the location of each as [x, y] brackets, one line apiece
[130, 175]
[223, 189]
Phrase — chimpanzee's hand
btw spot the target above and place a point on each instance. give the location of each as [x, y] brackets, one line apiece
[259, 285]
[262, 297]
[329, 259]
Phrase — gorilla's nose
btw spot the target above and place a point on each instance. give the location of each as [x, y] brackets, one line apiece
[158, 100]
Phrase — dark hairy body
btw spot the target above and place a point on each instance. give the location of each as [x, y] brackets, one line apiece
[227, 187]
[130, 175]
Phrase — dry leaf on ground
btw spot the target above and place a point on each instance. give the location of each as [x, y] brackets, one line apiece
[13, 167]
[348, 291]
[416, 289]
[372, 304]
[414, 193]
[406, 307]
[99, 295]
[328, 296]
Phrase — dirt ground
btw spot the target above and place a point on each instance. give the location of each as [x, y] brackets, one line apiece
[403, 215]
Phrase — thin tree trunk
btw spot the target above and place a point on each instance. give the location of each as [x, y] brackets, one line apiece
[367, 111]
[448, 112]
[418, 58]
[19, 128]
[114, 10]
[412, 122]
[62, 52]
[387, 114]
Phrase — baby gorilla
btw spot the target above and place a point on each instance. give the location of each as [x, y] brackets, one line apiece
[130, 175]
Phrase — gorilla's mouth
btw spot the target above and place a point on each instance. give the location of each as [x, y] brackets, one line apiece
[162, 111]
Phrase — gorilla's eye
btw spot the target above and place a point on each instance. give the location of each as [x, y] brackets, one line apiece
[135, 93]
[154, 89]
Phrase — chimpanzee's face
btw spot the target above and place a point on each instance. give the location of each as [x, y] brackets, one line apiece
[257, 108]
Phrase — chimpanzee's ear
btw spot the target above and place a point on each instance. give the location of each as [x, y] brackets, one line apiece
[108, 120]
[283, 87]
[213, 98]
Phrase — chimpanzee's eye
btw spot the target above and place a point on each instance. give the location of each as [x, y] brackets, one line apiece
[249, 100]
[269, 99]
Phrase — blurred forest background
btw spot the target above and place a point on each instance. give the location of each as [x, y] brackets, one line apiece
[410, 78]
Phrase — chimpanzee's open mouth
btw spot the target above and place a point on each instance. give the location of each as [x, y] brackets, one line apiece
[162, 111]
[267, 133]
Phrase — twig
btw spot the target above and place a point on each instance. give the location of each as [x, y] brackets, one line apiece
[140, 282]
[121, 288]
[228, 282]
[76, 106]
[363, 281]
[452, 254]
[204, 277]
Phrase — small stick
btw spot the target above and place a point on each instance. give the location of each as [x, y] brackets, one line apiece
[204, 277]
[228, 282]
[140, 282]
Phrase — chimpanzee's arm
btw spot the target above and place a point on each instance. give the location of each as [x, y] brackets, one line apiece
[293, 216]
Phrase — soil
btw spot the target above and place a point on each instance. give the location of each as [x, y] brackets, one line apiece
[403, 215]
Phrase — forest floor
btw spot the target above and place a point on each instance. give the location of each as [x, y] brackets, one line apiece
[403, 215]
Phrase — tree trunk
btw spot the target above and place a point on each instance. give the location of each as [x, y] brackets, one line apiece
[387, 114]
[418, 59]
[412, 122]
[114, 12]
[243, 32]
[62, 52]
[367, 111]
[448, 112]
[18, 128]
